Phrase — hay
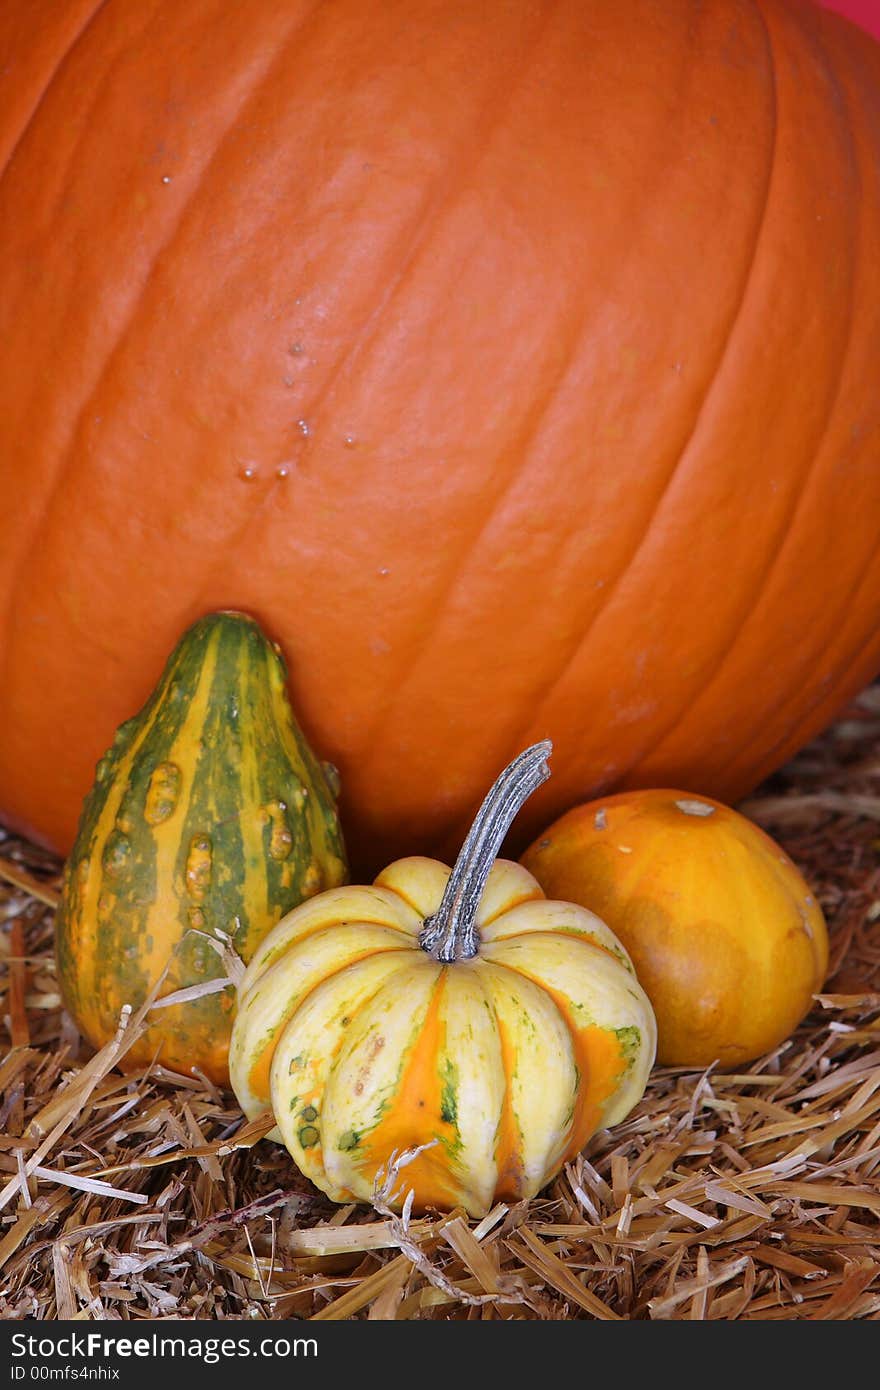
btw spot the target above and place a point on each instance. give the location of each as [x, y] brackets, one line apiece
[747, 1195]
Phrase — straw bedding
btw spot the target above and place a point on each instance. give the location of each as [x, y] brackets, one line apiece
[722, 1196]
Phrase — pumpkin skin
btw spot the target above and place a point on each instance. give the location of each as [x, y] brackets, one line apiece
[862, 12]
[506, 1064]
[209, 811]
[725, 934]
[527, 350]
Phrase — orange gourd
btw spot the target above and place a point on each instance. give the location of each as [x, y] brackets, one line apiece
[507, 357]
[726, 936]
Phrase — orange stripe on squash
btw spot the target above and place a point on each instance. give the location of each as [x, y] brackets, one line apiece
[508, 1145]
[416, 1110]
[601, 1062]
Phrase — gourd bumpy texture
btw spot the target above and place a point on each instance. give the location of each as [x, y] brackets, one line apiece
[208, 812]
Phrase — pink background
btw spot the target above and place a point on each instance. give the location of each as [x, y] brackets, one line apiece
[864, 12]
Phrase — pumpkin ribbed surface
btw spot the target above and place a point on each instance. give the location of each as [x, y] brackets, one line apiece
[511, 356]
[503, 1065]
[208, 812]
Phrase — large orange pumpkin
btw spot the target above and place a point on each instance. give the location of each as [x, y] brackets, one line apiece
[863, 12]
[515, 365]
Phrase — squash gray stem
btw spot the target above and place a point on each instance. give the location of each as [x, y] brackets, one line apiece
[450, 933]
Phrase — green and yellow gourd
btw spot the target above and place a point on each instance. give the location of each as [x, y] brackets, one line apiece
[209, 812]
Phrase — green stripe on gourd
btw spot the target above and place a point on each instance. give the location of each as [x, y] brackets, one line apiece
[209, 813]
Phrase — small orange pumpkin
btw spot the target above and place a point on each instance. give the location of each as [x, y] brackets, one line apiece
[727, 939]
